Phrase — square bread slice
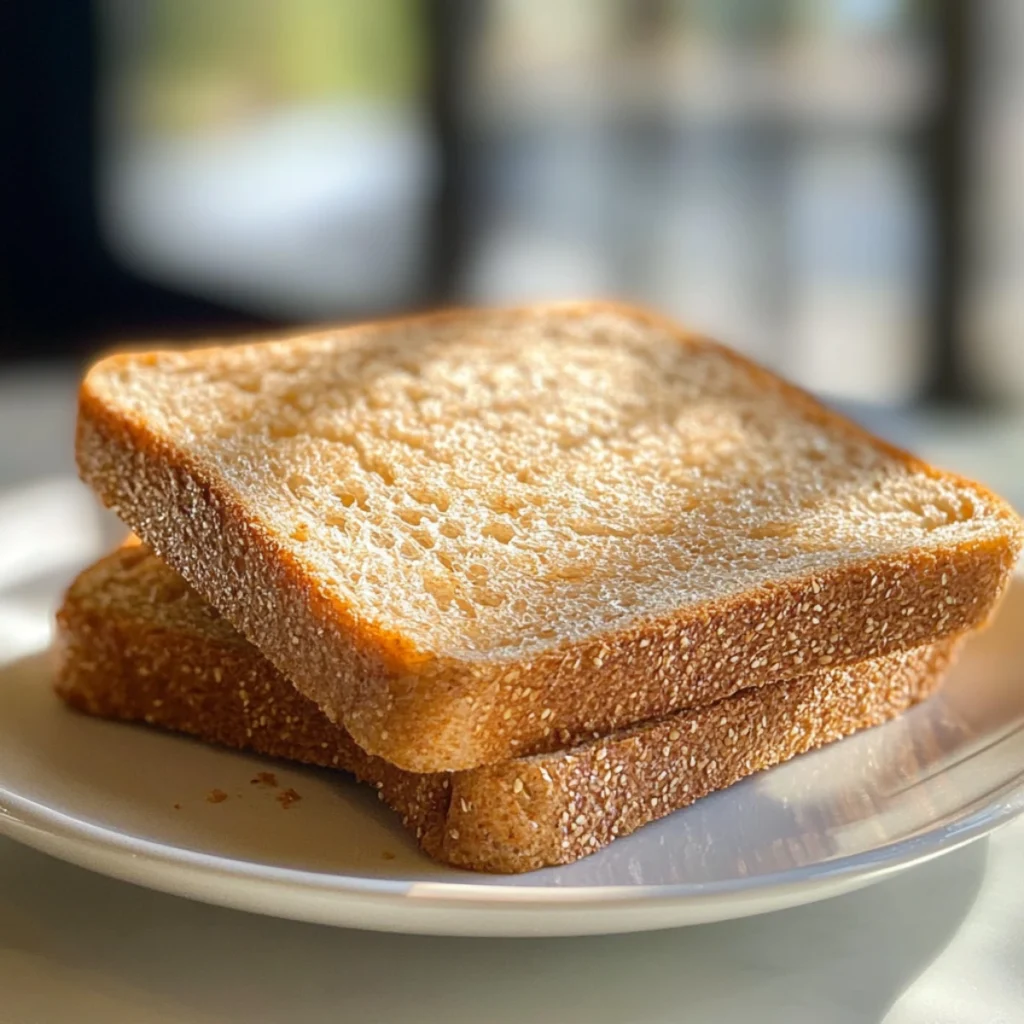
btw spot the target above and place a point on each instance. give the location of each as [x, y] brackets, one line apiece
[476, 535]
[136, 643]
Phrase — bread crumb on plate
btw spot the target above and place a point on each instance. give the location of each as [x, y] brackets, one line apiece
[288, 797]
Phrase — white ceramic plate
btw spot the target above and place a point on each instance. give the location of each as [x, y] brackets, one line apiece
[134, 804]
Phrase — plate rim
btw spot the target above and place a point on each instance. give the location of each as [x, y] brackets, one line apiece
[465, 908]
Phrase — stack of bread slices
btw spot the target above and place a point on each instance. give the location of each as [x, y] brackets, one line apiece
[540, 576]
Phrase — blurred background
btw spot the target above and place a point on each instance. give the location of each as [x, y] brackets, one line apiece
[833, 187]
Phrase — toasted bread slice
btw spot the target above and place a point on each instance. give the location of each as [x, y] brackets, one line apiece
[479, 535]
[138, 644]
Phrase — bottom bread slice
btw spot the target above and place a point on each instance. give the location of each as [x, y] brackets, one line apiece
[137, 644]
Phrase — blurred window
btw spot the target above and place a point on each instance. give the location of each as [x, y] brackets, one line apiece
[994, 323]
[750, 168]
[270, 153]
[768, 172]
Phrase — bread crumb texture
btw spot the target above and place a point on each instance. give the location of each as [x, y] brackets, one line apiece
[498, 485]
[469, 535]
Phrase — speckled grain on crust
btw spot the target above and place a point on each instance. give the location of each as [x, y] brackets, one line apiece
[136, 645]
[426, 713]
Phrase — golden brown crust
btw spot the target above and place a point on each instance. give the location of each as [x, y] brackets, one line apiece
[427, 714]
[191, 676]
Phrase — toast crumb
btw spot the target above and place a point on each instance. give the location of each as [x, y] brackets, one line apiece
[288, 797]
[177, 807]
[268, 779]
[387, 855]
[216, 796]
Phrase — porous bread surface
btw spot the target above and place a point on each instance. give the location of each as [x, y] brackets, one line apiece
[488, 488]
[137, 644]
[438, 528]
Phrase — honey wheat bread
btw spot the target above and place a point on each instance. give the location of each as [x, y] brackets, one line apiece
[477, 535]
[138, 644]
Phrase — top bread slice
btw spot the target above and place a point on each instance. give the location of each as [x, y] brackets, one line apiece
[478, 535]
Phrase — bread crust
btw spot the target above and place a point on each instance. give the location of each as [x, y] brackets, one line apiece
[182, 674]
[426, 713]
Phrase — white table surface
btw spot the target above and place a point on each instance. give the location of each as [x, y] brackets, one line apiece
[940, 943]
